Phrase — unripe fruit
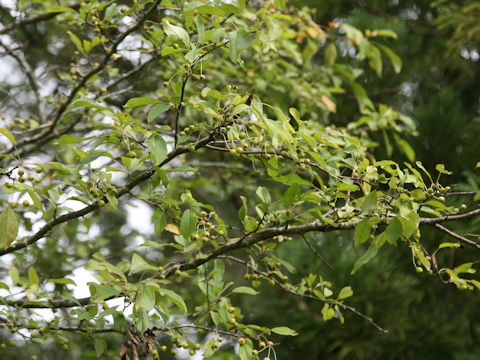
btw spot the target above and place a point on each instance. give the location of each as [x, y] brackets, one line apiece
[233, 151]
[21, 179]
[175, 46]
[232, 320]
[231, 309]
[166, 84]
[154, 352]
[163, 348]
[178, 272]
[418, 269]
[191, 148]
[13, 204]
[21, 172]
[241, 341]
[183, 133]
[441, 198]
[9, 185]
[215, 345]
[197, 346]
[254, 352]
[174, 352]
[192, 352]
[220, 339]
[101, 203]
[246, 276]
[261, 344]
[26, 203]
[131, 154]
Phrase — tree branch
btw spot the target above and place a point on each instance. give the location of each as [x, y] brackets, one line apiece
[457, 236]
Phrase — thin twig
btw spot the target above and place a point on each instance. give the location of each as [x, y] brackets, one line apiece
[457, 236]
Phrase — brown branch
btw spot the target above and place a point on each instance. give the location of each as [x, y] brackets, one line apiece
[449, 217]
[457, 236]
[90, 208]
[263, 234]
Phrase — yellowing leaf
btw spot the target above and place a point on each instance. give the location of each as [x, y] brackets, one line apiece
[8, 227]
[8, 134]
[331, 106]
[172, 228]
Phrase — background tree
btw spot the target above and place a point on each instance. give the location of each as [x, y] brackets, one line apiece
[245, 131]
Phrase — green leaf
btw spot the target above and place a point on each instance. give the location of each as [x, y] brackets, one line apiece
[405, 147]
[103, 292]
[239, 40]
[140, 101]
[59, 9]
[292, 191]
[263, 195]
[345, 293]
[200, 28]
[70, 139]
[394, 231]
[8, 227]
[9, 135]
[280, 4]
[158, 148]
[176, 299]
[245, 351]
[76, 41]
[32, 276]
[176, 33]
[139, 264]
[330, 53]
[449, 245]
[441, 169]
[188, 223]
[283, 330]
[394, 58]
[369, 203]
[14, 275]
[208, 349]
[146, 300]
[245, 290]
[63, 281]
[88, 104]
[362, 232]
[100, 346]
[157, 110]
[366, 257]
